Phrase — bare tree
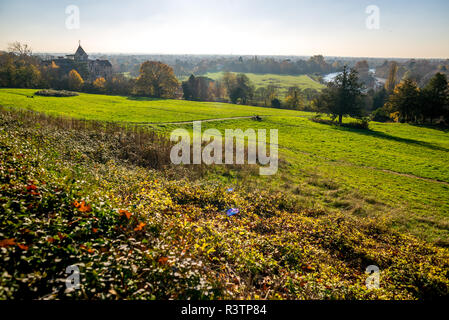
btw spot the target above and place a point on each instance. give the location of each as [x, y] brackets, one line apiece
[20, 49]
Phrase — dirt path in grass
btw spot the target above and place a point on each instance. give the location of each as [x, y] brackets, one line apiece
[203, 120]
[215, 119]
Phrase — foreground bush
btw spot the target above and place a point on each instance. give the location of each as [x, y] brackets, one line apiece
[141, 233]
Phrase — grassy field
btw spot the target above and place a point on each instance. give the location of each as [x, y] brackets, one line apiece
[283, 82]
[107, 199]
[398, 172]
[124, 109]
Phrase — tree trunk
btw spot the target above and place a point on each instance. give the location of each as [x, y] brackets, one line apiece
[340, 119]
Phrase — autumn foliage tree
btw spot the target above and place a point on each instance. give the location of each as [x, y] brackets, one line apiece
[156, 80]
[390, 84]
[99, 84]
[18, 68]
[75, 80]
[405, 100]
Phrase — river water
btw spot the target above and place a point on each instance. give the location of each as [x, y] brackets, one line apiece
[331, 77]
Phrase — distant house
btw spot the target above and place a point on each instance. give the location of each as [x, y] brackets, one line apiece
[87, 68]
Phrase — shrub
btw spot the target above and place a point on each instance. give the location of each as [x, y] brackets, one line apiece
[56, 93]
[381, 115]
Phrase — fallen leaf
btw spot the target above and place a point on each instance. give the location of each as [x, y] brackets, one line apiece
[7, 242]
[22, 246]
[163, 260]
[140, 226]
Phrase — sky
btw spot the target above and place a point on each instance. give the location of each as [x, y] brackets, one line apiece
[406, 29]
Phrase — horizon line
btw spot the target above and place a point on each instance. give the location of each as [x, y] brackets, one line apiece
[249, 55]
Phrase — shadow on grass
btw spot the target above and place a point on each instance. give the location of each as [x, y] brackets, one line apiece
[438, 127]
[382, 135]
[139, 98]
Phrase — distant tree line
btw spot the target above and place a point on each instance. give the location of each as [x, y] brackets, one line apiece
[184, 66]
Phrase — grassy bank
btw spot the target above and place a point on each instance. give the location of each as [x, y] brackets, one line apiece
[81, 193]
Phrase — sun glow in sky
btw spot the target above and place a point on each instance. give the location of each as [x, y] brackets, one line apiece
[273, 27]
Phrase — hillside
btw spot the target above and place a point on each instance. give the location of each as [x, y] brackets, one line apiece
[399, 172]
[129, 109]
[106, 198]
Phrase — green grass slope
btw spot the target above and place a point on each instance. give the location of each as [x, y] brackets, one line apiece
[395, 171]
[85, 194]
[128, 109]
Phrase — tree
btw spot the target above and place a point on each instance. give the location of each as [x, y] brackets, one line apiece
[380, 97]
[229, 80]
[199, 89]
[20, 49]
[27, 76]
[294, 98]
[342, 96]
[75, 80]
[99, 84]
[405, 100]
[390, 84]
[239, 87]
[220, 91]
[19, 69]
[119, 84]
[156, 80]
[275, 103]
[188, 88]
[435, 97]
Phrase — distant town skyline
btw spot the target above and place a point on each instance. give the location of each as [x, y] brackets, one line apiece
[405, 29]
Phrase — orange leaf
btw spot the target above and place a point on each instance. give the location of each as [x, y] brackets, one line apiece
[82, 246]
[51, 239]
[162, 260]
[22, 246]
[82, 206]
[126, 213]
[7, 242]
[95, 230]
[140, 226]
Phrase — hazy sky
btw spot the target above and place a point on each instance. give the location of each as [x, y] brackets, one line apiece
[409, 28]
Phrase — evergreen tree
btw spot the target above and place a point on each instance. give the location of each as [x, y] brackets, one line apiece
[342, 96]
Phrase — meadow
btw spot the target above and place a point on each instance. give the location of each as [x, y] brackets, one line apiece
[282, 82]
[129, 109]
[397, 172]
[343, 199]
[403, 170]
